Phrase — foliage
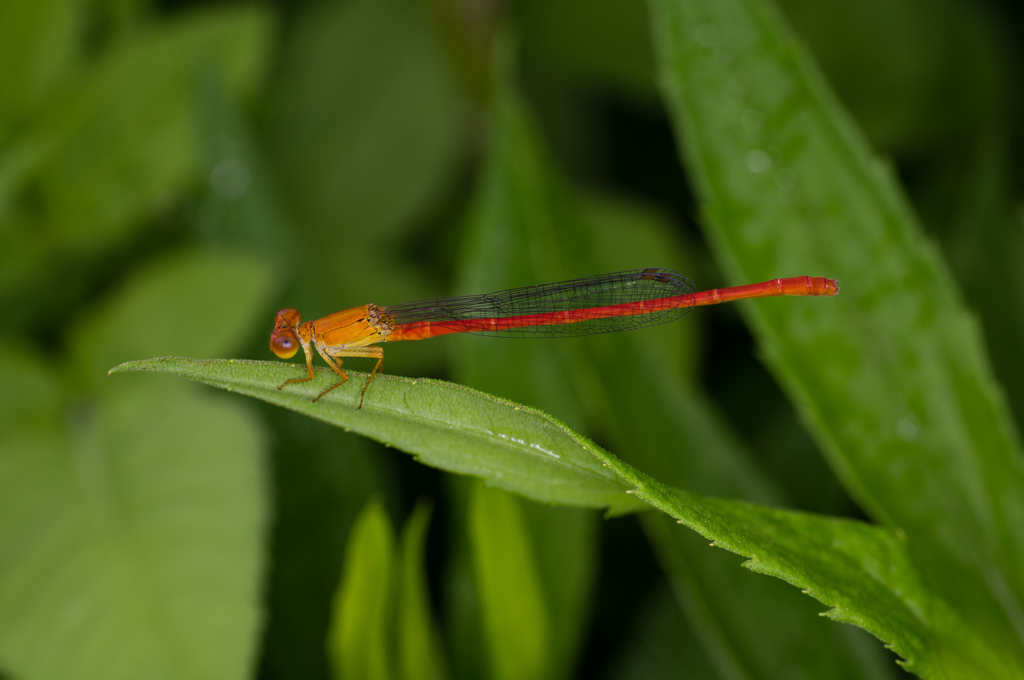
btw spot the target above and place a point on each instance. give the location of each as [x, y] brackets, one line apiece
[170, 176]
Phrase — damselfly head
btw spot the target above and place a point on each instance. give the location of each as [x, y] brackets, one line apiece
[283, 341]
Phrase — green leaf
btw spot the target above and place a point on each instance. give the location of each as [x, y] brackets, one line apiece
[755, 627]
[444, 425]
[892, 379]
[419, 647]
[863, 572]
[518, 625]
[130, 543]
[360, 643]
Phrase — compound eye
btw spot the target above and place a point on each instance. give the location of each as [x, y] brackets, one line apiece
[283, 346]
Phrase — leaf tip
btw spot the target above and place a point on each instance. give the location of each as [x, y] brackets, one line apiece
[122, 368]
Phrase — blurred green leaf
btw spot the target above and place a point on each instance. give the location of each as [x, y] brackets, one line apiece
[444, 425]
[317, 496]
[362, 127]
[134, 537]
[419, 649]
[240, 206]
[464, 626]
[39, 44]
[360, 643]
[130, 542]
[201, 303]
[892, 379]
[566, 545]
[32, 390]
[115, 163]
[587, 67]
[517, 623]
[984, 249]
[120, 142]
[661, 646]
[120, 17]
[382, 626]
[610, 45]
[919, 76]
